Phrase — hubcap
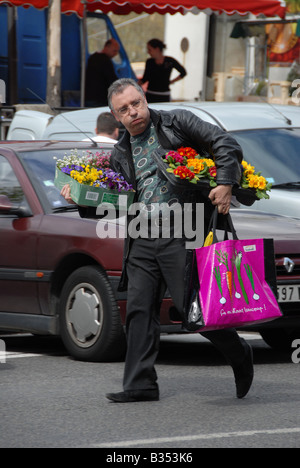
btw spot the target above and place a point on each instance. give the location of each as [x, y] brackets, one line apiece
[84, 315]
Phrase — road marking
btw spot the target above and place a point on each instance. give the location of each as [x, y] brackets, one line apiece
[217, 435]
[197, 338]
[11, 355]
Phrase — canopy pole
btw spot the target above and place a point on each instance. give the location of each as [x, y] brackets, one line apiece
[53, 93]
[12, 86]
[83, 55]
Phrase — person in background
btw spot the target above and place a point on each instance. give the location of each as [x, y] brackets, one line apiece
[100, 74]
[107, 130]
[158, 71]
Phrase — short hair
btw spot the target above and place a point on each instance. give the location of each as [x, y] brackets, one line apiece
[118, 86]
[111, 41]
[157, 43]
[107, 123]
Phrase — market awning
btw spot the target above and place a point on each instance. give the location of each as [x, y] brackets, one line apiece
[123, 7]
[230, 7]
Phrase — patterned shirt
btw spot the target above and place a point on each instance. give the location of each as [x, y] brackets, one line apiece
[152, 190]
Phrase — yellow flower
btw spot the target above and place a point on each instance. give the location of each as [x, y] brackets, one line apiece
[209, 162]
[262, 183]
[248, 169]
[197, 164]
[254, 181]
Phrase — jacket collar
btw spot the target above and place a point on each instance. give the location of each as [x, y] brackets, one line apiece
[166, 118]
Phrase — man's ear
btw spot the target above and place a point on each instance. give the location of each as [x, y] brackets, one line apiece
[115, 116]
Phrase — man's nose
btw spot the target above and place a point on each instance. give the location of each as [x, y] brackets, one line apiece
[132, 110]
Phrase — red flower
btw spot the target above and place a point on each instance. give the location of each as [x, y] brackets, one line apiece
[213, 171]
[184, 173]
[188, 152]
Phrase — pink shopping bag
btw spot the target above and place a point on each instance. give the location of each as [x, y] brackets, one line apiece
[237, 283]
[230, 284]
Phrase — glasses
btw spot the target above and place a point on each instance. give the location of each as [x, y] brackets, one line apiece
[126, 109]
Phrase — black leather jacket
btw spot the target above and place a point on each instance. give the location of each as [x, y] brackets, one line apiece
[175, 129]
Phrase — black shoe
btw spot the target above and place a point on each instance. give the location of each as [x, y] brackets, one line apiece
[131, 396]
[244, 374]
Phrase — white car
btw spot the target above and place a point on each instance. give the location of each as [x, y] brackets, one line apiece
[268, 134]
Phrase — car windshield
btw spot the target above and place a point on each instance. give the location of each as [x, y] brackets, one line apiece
[40, 166]
[274, 152]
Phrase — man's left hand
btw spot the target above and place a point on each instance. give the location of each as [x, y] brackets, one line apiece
[221, 196]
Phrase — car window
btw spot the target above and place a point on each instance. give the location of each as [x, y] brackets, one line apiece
[9, 184]
[40, 166]
[274, 152]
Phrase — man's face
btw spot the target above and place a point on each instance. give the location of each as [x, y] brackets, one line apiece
[131, 109]
[113, 49]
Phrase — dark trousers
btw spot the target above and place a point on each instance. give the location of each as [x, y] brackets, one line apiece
[153, 266]
[157, 98]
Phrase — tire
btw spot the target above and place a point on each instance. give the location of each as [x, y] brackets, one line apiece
[280, 338]
[90, 323]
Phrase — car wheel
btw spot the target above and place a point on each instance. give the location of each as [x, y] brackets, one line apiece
[280, 338]
[90, 323]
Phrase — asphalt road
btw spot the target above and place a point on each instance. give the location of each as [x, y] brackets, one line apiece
[49, 400]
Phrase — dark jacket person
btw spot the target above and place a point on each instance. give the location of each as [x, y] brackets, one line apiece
[154, 264]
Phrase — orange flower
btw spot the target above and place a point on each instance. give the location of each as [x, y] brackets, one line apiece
[196, 164]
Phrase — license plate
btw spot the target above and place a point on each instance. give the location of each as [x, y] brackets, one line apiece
[289, 293]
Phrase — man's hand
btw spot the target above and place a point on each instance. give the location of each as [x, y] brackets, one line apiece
[221, 196]
[66, 193]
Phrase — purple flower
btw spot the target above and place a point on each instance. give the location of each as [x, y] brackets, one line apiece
[66, 170]
[113, 181]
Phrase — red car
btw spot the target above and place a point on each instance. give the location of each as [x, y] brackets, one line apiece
[57, 277]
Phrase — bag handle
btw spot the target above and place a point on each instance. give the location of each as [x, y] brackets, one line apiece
[228, 226]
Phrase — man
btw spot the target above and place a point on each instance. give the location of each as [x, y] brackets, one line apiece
[100, 74]
[153, 264]
[107, 129]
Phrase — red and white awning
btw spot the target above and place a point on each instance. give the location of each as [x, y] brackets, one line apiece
[123, 7]
[230, 7]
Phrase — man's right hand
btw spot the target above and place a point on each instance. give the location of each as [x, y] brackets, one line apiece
[66, 193]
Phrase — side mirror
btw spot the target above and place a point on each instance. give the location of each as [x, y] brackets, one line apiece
[7, 207]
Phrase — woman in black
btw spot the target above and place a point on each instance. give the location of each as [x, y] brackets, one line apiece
[158, 71]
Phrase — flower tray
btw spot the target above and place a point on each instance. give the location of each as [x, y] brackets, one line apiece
[244, 196]
[86, 195]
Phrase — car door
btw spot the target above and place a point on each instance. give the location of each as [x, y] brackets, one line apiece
[18, 242]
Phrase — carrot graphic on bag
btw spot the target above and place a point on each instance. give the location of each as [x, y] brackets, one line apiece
[223, 258]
